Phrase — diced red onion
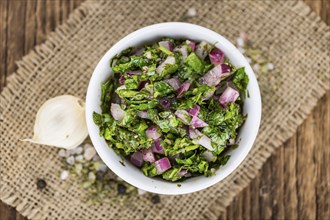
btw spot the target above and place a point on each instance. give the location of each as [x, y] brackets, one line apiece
[142, 114]
[114, 62]
[198, 123]
[194, 111]
[166, 44]
[174, 82]
[165, 103]
[169, 60]
[151, 90]
[183, 88]
[148, 55]
[162, 165]
[125, 58]
[192, 44]
[121, 87]
[208, 95]
[220, 89]
[152, 133]
[142, 84]
[225, 68]
[182, 173]
[228, 96]
[183, 115]
[121, 80]
[200, 138]
[183, 50]
[231, 141]
[137, 158]
[134, 72]
[208, 155]
[116, 112]
[157, 147]
[216, 97]
[202, 49]
[145, 69]
[138, 51]
[148, 155]
[216, 56]
[214, 76]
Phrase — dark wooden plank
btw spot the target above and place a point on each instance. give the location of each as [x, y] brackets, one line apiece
[277, 173]
[30, 26]
[321, 132]
[305, 170]
[289, 153]
[15, 43]
[7, 212]
[3, 42]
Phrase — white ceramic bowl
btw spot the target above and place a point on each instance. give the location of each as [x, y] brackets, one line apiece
[129, 172]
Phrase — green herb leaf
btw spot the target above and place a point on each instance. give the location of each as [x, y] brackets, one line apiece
[194, 62]
[162, 89]
[241, 80]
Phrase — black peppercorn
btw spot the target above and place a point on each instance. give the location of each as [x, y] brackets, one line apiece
[99, 175]
[121, 188]
[41, 184]
[155, 199]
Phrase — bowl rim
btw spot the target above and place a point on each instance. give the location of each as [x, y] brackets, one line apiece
[95, 138]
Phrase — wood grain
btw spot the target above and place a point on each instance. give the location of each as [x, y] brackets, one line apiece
[293, 183]
[23, 25]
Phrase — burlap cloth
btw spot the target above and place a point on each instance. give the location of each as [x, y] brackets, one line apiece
[295, 39]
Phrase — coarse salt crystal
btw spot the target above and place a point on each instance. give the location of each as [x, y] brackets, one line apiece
[91, 176]
[62, 153]
[89, 153]
[79, 158]
[270, 66]
[87, 146]
[70, 160]
[64, 175]
[240, 42]
[141, 192]
[68, 153]
[191, 12]
[256, 67]
[78, 150]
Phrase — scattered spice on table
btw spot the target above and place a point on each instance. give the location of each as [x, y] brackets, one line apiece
[155, 199]
[259, 62]
[84, 166]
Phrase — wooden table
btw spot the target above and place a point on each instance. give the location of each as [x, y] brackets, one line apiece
[293, 183]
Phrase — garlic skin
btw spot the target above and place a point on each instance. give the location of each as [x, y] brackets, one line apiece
[60, 122]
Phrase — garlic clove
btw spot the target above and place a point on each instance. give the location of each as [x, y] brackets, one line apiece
[60, 122]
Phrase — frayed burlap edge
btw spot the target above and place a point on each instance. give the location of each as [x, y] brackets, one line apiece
[29, 62]
[35, 58]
